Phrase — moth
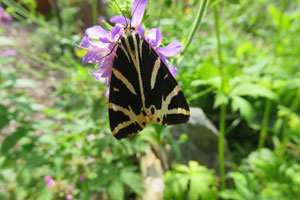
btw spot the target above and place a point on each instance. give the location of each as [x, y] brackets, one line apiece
[142, 89]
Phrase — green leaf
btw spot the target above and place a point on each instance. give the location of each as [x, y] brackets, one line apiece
[257, 68]
[254, 90]
[241, 184]
[280, 20]
[231, 194]
[241, 104]
[116, 190]
[133, 180]
[221, 98]
[12, 139]
[4, 120]
[208, 70]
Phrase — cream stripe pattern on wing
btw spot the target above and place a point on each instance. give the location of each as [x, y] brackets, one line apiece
[124, 80]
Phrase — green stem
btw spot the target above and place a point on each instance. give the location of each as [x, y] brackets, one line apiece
[222, 125]
[95, 11]
[196, 24]
[221, 145]
[51, 65]
[285, 138]
[264, 129]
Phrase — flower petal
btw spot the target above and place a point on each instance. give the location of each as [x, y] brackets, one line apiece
[171, 49]
[163, 58]
[9, 52]
[95, 32]
[141, 31]
[106, 66]
[120, 19]
[173, 70]
[107, 93]
[97, 74]
[115, 32]
[137, 11]
[154, 37]
[93, 55]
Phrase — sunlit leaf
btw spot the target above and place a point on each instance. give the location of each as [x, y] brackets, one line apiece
[221, 98]
[254, 90]
[241, 104]
[116, 190]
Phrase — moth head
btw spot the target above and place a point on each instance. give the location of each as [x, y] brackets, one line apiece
[129, 29]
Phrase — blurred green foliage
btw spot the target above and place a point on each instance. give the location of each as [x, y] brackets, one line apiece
[66, 135]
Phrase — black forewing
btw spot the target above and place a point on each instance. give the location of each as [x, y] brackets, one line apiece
[164, 84]
[124, 97]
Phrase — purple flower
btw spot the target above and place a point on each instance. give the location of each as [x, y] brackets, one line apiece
[69, 197]
[81, 178]
[4, 18]
[102, 43]
[72, 186]
[154, 38]
[9, 52]
[137, 13]
[49, 181]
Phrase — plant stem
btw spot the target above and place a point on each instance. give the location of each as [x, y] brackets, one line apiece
[50, 65]
[222, 125]
[222, 130]
[264, 129]
[196, 24]
[95, 11]
[293, 107]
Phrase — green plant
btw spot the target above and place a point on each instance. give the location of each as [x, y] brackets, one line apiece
[191, 181]
[265, 175]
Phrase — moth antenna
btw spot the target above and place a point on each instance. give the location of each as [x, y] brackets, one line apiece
[135, 10]
[121, 12]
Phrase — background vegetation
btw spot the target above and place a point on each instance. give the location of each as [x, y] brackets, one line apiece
[242, 68]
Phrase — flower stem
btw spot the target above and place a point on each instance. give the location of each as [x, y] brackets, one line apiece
[196, 24]
[264, 129]
[222, 125]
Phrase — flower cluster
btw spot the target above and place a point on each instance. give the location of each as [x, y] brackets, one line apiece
[101, 43]
[59, 188]
[5, 19]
